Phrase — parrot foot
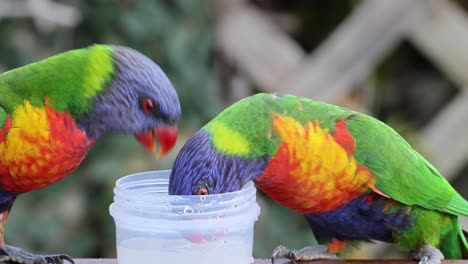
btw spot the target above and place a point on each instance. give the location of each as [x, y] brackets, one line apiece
[427, 254]
[307, 253]
[16, 255]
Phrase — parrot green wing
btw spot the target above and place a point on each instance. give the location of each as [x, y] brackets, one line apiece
[3, 116]
[68, 80]
[401, 172]
[8, 99]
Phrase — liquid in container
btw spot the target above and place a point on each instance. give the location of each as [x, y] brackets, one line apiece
[154, 227]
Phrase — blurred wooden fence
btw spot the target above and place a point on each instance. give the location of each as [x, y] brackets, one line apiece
[46, 14]
[438, 28]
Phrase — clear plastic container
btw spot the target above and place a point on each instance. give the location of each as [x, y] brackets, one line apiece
[154, 227]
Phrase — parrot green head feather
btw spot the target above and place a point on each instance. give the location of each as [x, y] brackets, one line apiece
[139, 99]
[106, 89]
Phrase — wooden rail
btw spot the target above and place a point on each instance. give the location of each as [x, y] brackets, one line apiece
[282, 261]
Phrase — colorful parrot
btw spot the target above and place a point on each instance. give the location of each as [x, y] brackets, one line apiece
[352, 177]
[53, 111]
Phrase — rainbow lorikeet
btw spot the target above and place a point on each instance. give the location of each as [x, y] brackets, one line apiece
[53, 111]
[353, 177]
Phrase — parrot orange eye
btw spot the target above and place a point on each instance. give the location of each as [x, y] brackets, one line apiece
[203, 191]
[147, 105]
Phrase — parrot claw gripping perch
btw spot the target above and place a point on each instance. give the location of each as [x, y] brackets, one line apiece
[427, 254]
[306, 253]
[16, 255]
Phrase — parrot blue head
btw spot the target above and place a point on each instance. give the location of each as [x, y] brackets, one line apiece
[200, 169]
[139, 100]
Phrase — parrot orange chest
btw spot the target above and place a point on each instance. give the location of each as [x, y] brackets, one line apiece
[38, 147]
[313, 171]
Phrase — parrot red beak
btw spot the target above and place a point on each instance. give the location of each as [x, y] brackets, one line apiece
[166, 137]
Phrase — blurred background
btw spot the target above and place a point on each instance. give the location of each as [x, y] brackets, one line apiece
[402, 61]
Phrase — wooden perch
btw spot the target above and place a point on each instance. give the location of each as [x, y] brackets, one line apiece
[282, 261]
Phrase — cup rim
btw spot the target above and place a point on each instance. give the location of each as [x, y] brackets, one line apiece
[120, 190]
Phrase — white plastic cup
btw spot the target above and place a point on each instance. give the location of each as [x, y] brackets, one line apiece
[154, 227]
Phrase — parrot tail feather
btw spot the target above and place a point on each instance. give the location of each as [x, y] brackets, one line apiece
[454, 244]
[462, 234]
[463, 243]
